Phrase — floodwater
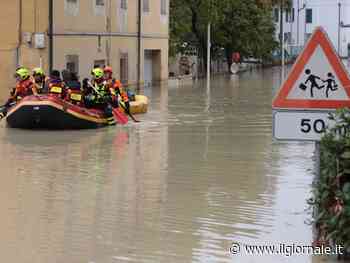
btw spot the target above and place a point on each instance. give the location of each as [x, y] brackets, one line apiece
[200, 172]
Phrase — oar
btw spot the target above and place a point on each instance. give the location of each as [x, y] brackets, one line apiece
[128, 112]
[3, 109]
[120, 116]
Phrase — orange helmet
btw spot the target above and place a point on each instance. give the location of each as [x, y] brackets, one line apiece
[108, 69]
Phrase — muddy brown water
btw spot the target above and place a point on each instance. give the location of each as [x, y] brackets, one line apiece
[200, 172]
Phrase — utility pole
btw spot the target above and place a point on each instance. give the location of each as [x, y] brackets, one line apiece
[305, 26]
[109, 31]
[139, 47]
[339, 9]
[282, 40]
[208, 55]
[298, 8]
[298, 19]
[209, 47]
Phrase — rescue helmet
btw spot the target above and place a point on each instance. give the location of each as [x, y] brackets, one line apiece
[97, 73]
[38, 72]
[22, 73]
[108, 69]
[55, 74]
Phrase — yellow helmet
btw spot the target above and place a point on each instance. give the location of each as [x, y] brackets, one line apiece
[22, 73]
[97, 73]
[38, 72]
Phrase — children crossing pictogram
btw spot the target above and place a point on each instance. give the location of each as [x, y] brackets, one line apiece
[331, 84]
[314, 82]
[317, 80]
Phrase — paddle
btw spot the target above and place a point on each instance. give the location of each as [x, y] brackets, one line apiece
[128, 112]
[3, 109]
[120, 116]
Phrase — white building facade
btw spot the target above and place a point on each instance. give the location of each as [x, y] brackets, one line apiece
[305, 15]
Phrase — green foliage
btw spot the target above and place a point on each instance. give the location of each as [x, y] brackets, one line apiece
[332, 191]
[244, 26]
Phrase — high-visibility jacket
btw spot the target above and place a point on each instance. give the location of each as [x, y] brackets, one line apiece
[74, 93]
[24, 88]
[56, 87]
[117, 88]
[102, 93]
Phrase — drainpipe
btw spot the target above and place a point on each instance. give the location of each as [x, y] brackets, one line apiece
[139, 20]
[18, 48]
[50, 35]
[109, 30]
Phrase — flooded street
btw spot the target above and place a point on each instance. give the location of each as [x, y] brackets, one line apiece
[200, 172]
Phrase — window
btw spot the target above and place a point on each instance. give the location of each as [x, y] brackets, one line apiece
[163, 5]
[100, 63]
[293, 15]
[122, 16]
[308, 16]
[124, 64]
[99, 7]
[71, 7]
[124, 4]
[276, 15]
[72, 63]
[145, 5]
[290, 15]
[100, 2]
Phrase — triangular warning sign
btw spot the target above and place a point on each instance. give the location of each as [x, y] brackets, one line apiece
[318, 79]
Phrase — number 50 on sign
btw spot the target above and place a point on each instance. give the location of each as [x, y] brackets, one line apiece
[300, 125]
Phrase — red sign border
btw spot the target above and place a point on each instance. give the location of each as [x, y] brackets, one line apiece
[319, 37]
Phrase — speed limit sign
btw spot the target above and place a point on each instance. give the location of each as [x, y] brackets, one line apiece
[301, 125]
[317, 84]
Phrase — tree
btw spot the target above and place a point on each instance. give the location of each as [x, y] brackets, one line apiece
[244, 26]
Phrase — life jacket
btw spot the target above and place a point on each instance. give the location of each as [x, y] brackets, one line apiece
[117, 86]
[102, 92]
[56, 87]
[75, 94]
[24, 88]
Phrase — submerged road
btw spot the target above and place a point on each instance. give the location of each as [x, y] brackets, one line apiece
[200, 172]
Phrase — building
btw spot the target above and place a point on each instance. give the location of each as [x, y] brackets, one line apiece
[304, 15]
[81, 34]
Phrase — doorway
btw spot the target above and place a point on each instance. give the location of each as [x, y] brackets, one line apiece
[152, 66]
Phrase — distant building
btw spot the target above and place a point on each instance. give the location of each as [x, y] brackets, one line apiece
[86, 33]
[300, 21]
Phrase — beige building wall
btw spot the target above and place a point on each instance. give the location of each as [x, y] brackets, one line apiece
[19, 48]
[8, 43]
[91, 32]
[106, 32]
